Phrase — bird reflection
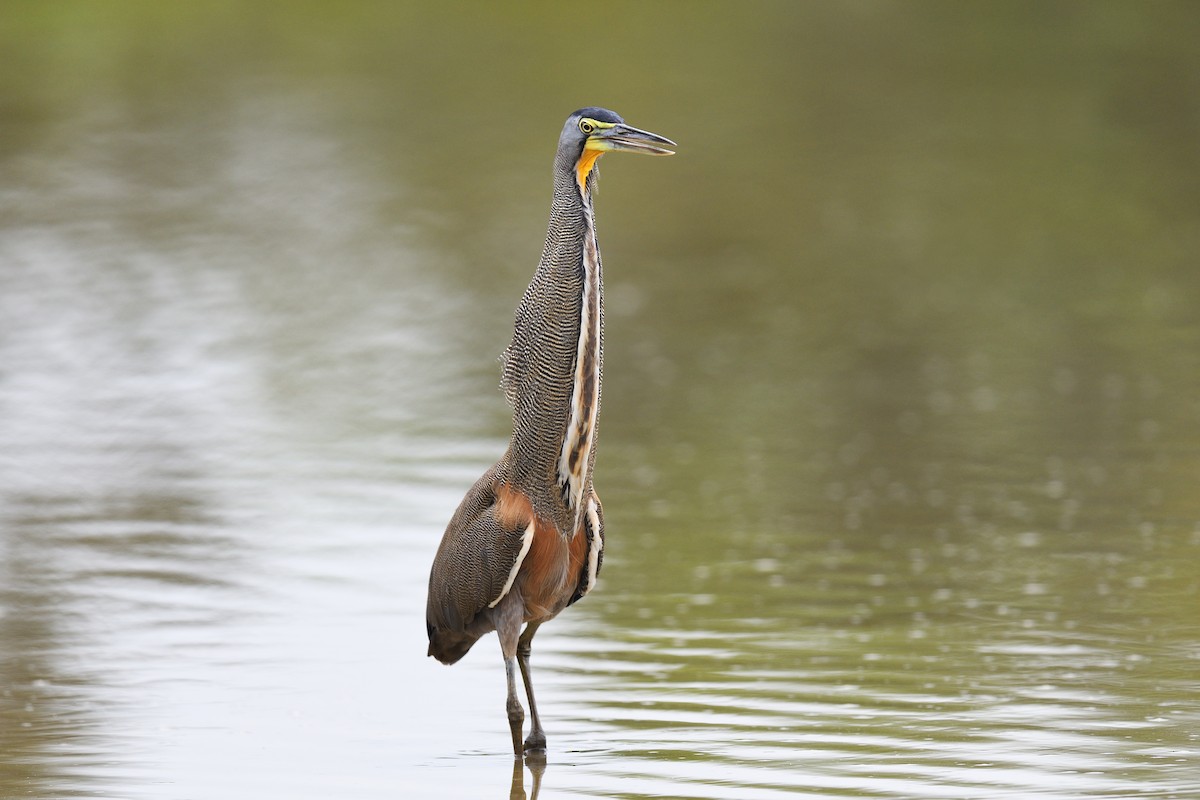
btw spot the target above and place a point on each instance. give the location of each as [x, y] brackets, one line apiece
[537, 765]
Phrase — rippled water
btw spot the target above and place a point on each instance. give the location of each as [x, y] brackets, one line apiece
[900, 444]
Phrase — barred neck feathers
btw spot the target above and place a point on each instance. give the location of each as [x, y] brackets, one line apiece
[575, 456]
[552, 368]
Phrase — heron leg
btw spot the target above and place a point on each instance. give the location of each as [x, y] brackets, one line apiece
[516, 714]
[537, 736]
[508, 627]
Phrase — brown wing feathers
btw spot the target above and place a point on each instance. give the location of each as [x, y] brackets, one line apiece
[472, 568]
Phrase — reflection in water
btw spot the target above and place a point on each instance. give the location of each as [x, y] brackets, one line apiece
[40, 706]
[899, 443]
[537, 767]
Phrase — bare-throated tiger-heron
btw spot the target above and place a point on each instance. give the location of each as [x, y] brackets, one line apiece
[527, 540]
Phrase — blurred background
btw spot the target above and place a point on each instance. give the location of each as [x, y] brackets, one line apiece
[899, 449]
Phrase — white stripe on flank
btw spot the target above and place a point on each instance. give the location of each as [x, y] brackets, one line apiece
[580, 427]
[526, 541]
[594, 550]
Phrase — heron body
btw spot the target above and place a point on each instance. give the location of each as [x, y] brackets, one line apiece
[527, 540]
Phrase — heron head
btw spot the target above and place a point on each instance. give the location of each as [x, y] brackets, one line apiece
[591, 132]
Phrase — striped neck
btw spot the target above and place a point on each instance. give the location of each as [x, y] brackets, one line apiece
[575, 456]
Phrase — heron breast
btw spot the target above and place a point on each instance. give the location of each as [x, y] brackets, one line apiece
[551, 570]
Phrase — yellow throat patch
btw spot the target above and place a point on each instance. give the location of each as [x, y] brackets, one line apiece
[584, 166]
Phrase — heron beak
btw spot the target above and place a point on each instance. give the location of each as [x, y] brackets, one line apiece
[622, 137]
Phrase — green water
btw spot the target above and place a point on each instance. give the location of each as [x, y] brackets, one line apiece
[899, 448]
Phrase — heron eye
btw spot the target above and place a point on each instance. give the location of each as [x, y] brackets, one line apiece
[586, 126]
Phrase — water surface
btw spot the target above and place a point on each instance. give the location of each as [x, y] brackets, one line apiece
[899, 450]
